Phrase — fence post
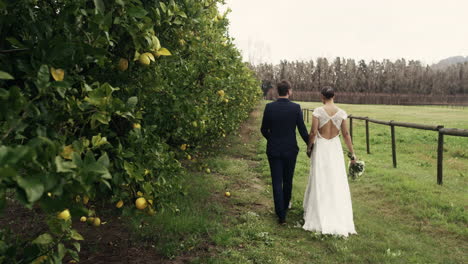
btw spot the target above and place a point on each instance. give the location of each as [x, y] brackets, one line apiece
[351, 126]
[440, 156]
[392, 129]
[367, 136]
[303, 114]
[308, 115]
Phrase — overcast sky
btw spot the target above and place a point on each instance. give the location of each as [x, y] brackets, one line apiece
[271, 30]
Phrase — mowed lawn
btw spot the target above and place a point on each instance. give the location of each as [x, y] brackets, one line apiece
[401, 214]
[403, 209]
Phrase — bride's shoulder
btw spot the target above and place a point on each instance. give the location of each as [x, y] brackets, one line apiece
[343, 113]
[317, 111]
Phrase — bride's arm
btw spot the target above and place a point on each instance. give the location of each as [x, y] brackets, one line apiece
[313, 133]
[347, 138]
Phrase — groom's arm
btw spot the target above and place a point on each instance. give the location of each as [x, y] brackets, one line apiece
[265, 129]
[301, 126]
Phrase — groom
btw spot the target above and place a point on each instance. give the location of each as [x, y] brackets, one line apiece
[279, 123]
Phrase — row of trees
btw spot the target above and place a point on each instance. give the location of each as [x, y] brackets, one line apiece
[104, 101]
[347, 75]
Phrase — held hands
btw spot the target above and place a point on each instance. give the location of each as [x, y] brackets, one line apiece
[309, 150]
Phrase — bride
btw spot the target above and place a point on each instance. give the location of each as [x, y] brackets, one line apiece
[327, 200]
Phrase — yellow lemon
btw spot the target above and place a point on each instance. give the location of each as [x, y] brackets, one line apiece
[227, 194]
[183, 146]
[147, 172]
[189, 157]
[139, 193]
[83, 219]
[119, 204]
[208, 170]
[221, 93]
[144, 59]
[49, 194]
[141, 203]
[136, 125]
[90, 220]
[57, 74]
[40, 260]
[226, 100]
[150, 56]
[123, 64]
[85, 199]
[64, 215]
[97, 221]
[67, 152]
[151, 211]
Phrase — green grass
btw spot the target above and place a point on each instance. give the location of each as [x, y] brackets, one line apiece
[401, 215]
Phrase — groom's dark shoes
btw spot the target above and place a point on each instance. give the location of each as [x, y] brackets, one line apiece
[282, 221]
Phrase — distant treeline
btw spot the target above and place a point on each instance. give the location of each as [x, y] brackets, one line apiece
[378, 98]
[374, 77]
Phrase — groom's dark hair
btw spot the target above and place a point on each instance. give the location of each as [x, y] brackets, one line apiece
[283, 87]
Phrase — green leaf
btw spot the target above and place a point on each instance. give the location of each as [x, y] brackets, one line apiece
[155, 43]
[104, 160]
[107, 184]
[32, 186]
[5, 76]
[61, 251]
[75, 235]
[43, 239]
[163, 7]
[73, 254]
[77, 246]
[43, 76]
[43, 73]
[4, 94]
[98, 141]
[100, 6]
[137, 12]
[132, 102]
[2, 198]
[102, 117]
[64, 166]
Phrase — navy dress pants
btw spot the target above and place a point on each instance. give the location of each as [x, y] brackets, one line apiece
[282, 172]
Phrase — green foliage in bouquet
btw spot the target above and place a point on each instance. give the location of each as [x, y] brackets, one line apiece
[357, 169]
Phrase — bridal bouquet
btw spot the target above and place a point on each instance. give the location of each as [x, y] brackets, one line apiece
[357, 169]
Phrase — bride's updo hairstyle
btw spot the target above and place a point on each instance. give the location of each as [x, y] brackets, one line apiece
[328, 92]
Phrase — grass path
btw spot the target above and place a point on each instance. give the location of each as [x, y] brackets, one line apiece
[388, 211]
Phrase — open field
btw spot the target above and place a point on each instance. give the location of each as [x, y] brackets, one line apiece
[401, 215]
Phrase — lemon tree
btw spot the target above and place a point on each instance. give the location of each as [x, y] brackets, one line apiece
[96, 99]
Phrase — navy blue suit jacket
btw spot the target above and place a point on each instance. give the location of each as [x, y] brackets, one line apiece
[279, 123]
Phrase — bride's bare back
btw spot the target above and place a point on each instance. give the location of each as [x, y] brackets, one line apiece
[328, 121]
[329, 130]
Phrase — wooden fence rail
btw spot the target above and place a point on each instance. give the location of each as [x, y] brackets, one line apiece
[440, 129]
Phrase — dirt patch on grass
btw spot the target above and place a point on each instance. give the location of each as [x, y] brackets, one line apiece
[109, 243]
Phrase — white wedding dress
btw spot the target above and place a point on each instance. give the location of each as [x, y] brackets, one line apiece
[327, 200]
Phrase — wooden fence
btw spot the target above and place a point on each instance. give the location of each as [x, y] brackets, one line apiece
[392, 124]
